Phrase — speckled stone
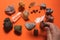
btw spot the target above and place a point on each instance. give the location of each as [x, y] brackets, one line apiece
[10, 10]
[29, 25]
[18, 29]
[25, 15]
[7, 25]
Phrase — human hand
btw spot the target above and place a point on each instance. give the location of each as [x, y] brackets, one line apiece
[53, 33]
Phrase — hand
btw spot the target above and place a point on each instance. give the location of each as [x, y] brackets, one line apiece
[53, 33]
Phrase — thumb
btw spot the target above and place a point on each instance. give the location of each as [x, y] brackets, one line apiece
[49, 35]
[53, 28]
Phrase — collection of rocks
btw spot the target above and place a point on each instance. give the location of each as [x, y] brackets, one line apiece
[25, 15]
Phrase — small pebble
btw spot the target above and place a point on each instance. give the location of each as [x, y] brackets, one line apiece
[29, 7]
[32, 4]
[35, 32]
[39, 11]
[31, 12]
[34, 11]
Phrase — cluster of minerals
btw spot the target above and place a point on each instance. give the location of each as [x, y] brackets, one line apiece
[8, 24]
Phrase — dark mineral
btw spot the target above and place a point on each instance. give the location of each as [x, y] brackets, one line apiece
[34, 11]
[7, 25]
[35, 32]
[18, 29]
[43, 6]
[49, 18]
[49, 11]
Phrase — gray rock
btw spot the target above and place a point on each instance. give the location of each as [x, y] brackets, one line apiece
[30, 25]
[10, 10]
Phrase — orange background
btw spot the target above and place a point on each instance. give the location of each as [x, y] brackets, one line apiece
[27, 35]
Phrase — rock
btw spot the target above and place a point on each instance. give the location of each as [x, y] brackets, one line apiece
[25, 15]
[39, 11]
[43, 25]
[29, 25]
[32, 4]
[49, 11]
[7, 25]
[50, 18]
[21, 7]
[18, 29]
[43, 6]
[6, 20]
[31, 12]
[39, 19]
[34, 11]
[35, 32]
[10, 10]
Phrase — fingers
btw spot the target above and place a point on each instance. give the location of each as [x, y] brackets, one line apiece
[52, 27]
[52, 31]
[49, 35]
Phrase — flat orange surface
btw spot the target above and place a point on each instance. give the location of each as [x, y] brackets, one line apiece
[27, 35]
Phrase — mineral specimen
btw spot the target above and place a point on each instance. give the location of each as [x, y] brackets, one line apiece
[35, 32]
[21, 7]
[18, 29]
[7, 25]
[29, 25]
[25, 15]
[10, 10]
[49, 11]
[50, 18]
[43, 6]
